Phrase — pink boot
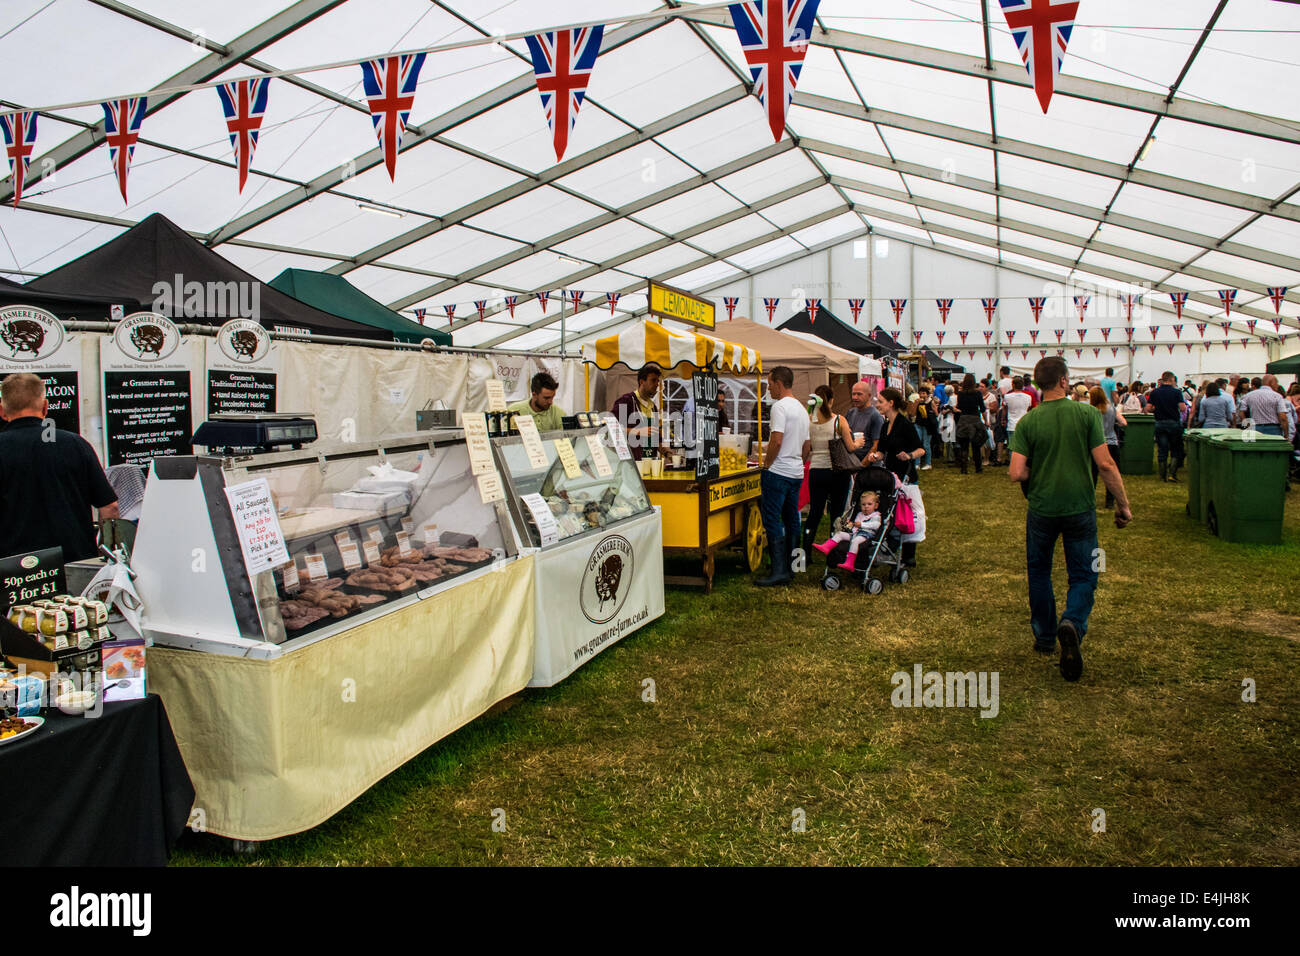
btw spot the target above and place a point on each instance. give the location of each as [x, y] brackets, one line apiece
[849, 562]
[826, 547]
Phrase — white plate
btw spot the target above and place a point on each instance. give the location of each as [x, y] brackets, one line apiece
[33, 723]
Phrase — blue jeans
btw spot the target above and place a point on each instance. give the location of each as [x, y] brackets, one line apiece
[779, 504]
[925, 443]
[1080, 535]
[1169, 439]
[1273, 429]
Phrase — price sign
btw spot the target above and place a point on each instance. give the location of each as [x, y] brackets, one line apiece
[371, 550]
[408, 525]
[598, 457]
[291, 577]
[617, 437]
[348, 551]
[316, 570]
[404, 543]
[496, 394]
[429, 532]
[532, 440]
[568, 458]
[704, 389]
[489, 488]
[257, 525]
[30, 577]
[547, 530]
[478, 445]
[375, 534]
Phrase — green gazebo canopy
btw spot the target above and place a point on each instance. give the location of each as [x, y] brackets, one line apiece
[1290, 365]
[334, 294]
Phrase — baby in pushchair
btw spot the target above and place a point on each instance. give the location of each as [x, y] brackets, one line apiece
[864, 527]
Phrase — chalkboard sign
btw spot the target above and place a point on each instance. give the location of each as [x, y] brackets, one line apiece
[29, 577]
[704, 391]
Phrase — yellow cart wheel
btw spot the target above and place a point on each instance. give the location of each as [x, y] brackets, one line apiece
[755, 538]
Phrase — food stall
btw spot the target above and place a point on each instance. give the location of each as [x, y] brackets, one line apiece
[702, 513]
[578, 498]
[320, 616]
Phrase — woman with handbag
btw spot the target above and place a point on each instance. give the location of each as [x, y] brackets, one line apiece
[971, 430]
[826, 481]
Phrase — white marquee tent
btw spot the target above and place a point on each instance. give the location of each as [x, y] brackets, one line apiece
[916, 163]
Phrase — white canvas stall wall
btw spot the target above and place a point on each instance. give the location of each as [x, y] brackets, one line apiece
[881, 269]
[517, 372]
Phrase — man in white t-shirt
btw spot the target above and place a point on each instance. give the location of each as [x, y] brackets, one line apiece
[1018, 402]
[789, 445]
[1004, 383]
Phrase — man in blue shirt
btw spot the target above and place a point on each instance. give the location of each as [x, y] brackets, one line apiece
[1108, 385]
[1167, 404]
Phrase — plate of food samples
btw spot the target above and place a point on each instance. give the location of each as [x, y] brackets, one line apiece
[14, 728]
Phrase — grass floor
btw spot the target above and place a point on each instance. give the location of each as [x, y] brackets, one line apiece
[770, 703]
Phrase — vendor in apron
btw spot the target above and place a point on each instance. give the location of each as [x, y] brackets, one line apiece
[636, 411]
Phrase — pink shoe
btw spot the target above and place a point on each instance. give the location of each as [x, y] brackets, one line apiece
[849, 562]
[826, 547]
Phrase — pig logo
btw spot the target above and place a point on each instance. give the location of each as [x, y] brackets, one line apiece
[30, 334]
[147, 339]
[607, 579]
[243, 341]
[147, 336]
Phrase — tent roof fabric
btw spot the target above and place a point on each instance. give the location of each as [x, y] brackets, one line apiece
[337, 296]
[834, 330]
[839, 361]
[1287, 365]
[938, 363]
[84, 307]
[776, 347]
[653, 344]
[158, 251]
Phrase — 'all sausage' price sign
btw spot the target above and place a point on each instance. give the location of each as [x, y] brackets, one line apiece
[257, 525]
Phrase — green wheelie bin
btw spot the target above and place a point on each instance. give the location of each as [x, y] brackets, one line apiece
[1192, 441]
[1138, 448]
[1243, 485]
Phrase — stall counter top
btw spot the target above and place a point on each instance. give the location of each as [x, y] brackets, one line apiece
[675, 480]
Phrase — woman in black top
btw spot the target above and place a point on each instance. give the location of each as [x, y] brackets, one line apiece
[899, 446]
[970, 423]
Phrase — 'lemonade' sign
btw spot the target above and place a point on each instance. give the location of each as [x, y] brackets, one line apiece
[669, 303]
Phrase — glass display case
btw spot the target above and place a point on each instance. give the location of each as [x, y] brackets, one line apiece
[586, 503]
[366, 527]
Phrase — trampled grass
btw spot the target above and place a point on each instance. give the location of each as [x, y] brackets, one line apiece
[769, 703]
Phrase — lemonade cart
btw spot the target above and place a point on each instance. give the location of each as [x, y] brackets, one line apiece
[701, 516]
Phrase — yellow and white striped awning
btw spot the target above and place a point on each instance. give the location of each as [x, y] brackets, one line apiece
[651, 343]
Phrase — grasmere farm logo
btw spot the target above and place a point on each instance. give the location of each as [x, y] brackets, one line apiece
[29, 334]
[607, 579]
[147, 336]
[243, 341]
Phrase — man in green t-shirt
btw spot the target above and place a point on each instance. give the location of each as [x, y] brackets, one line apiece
[1052, 452]
[549, 416]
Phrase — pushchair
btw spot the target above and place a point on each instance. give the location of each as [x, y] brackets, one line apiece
[887, 549]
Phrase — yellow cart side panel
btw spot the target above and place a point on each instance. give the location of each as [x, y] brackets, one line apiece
[681, 517]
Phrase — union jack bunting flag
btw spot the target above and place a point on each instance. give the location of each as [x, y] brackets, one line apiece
[562, 64]
[1033, 336]
[898, 305]
[990, 306]
[1152, 348]
[1130, 301]
[419, 315]
[1250, 325]
[1227, 297]
[1200, 328]
[1105, 334]
[963, 335]
[1024, 354]
[1129, 330]
[1179, 299]
[1178, 331]
[1225, 326]
[122, 119]
[1170, 348]
[244, 104]
[613, 297]
[774, 36]
[390, 93]
[945, 306]
[575, 298]
[729, 301]
[1078, 353]
[511, 301]
[1082, 333]
[1114, 351]
[812, 306]
[20, 139]
[1276, 293]
[481, 306]
[940, 335]
[1155, 331]
[1036, 304]
[988, 353]
[543, 298]
[855, 306]
[988, 336]
[1189, 346]
[1011, 338]
[971, 353]
[1096, 352]
[451, 312]
[1041, 29]
[916, 337]
[1059, 333]
[770, 305]
[1042, 353]
[1081, 303]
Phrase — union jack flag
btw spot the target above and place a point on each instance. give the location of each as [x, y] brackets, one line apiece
[1105, 334]
[1033, 336]
[1178, 331]
[1250, 325]
[988, 353]
[122, 119]
[1155, 330]
[511, 301]
[419, 315]
[916, 337]
[1078, 353]
[1059, 333]
[562, 63]
[812, 306]
[1129, 330]
[1130, 301]
[990, 306]
[1227, 297]
[1114, 351]
[1082, 333]
[1041, 29]
[1276, 293]
[1096, 352]
[945, 306]
[451, 312]
[613, 297]
[1011, 338]
[244, 104]
[1024, 354]
[1225, 326]
[855, 306]
[770, 305]
[963, 335]
[1179, 299]
[1036, 304]
[1200, 327]
[20, 139]
[575, 298]
[898, 305]
[390, 92]
[971, 353]
[774, 36]
[1152, 348]
[481, 305]
[1081, 303]
[940, 334]
[543, 298]
[988, 336]
[730, 301]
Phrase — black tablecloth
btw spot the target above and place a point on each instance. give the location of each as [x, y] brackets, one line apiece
[103, 791]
